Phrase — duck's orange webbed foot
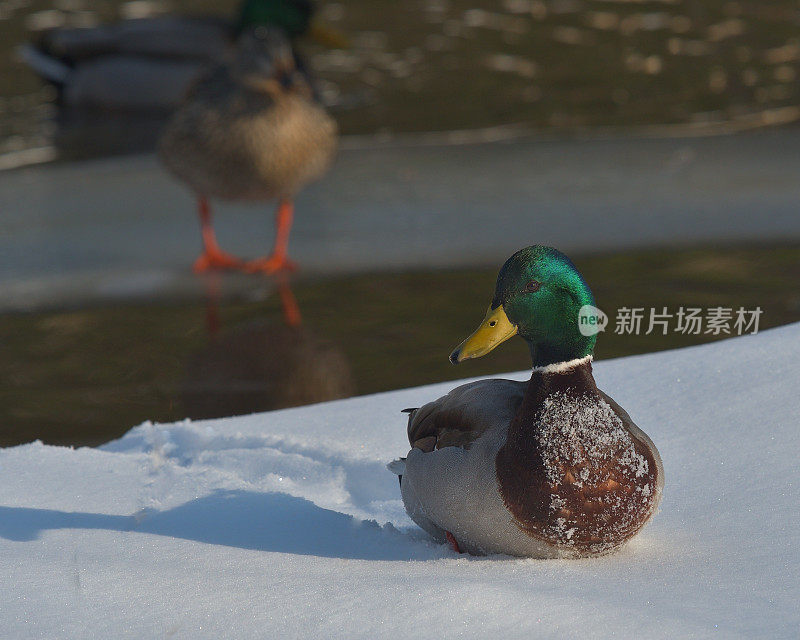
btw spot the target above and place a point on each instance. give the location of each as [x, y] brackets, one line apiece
[214, 259]
[272, 264]
[278, 260]
[453, 542]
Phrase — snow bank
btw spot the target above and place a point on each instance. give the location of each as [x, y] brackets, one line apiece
[286, 524]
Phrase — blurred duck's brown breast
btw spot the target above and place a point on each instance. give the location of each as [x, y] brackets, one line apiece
[240, 141]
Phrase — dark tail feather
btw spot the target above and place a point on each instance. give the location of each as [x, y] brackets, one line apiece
[49, 68]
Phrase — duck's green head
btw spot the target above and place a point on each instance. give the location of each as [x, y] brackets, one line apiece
[538, 295]
[293, 16]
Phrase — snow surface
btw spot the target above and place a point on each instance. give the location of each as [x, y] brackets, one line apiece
[287, 524]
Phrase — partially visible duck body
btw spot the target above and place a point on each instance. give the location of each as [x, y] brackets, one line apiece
[548, 468]
[142, 64]
[148, 64]
[250, 131]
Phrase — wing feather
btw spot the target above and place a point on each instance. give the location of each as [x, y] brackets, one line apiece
[463, 415]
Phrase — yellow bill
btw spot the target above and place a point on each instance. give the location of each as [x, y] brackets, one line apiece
[495, 328]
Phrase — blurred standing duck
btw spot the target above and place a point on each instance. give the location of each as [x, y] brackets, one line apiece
[250, 131]
[552, 467]
[150, 63]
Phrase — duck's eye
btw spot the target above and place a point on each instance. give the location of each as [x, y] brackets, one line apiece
[532, 286]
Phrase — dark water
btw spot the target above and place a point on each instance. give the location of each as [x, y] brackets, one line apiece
[433, 65]
[85, 376]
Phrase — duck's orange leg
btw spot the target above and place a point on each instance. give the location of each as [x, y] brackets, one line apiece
[278, 260]
[212, 257]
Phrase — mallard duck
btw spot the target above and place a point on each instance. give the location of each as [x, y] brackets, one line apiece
[250, 131]
[150, 63]
[548, 468]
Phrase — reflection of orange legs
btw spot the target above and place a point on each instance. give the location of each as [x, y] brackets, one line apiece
[213, 323]
[212, 257]
[291, 312]
[451, 539]
[278, 260]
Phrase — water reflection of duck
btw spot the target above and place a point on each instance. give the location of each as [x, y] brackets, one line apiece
[263, 365]
[150, 63]
[250, 131]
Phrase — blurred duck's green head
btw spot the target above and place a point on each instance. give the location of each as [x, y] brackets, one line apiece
[293, 16]
[538, 295]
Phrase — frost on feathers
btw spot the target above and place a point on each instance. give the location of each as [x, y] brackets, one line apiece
[598, 480]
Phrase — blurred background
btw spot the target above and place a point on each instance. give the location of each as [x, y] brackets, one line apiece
[656, 142]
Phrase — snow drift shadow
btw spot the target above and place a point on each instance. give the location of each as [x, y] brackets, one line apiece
[263, 521]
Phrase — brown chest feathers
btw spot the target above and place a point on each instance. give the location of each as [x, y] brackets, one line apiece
[575, 471]
[248, 141]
